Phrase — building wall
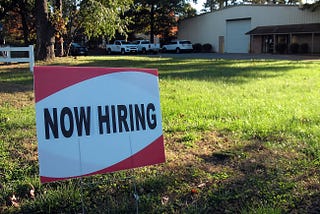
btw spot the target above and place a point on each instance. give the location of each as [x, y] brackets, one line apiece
[207, 28]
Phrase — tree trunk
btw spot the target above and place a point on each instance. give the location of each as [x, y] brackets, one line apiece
[152, 23]
[59, 41]
[23, 14]
[45, 32]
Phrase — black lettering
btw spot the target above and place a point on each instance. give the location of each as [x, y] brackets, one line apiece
[104, 119]
[122, 118]
[151, 119]
[131, 118]
[140, 117]
[51, 124]
[113, 115]
[83, 119]
[66, 113]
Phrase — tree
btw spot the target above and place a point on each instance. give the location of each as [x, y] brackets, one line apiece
[104, 17]
[18, 20]
[187, 12]
[219, 4]
[45, 32]
[59, 26]
[25, 11]
[153, 17]
[5, 7]
[312, 7]
[93, 17]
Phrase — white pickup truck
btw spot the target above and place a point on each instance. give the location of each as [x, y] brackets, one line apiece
[121, 46]
[144, 46]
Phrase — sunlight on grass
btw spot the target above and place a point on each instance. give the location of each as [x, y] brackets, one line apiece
[240, 135]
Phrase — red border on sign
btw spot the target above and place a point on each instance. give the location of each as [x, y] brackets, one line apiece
[48, 83]
[152, 154]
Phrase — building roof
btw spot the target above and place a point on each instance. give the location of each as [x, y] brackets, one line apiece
[286, 29]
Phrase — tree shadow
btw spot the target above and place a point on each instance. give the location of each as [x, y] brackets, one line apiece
[261, 178]
[218, 177]
[230, 71]
[15, 80]
[229, 180]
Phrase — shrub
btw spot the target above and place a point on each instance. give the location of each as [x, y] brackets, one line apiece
[304, 48]
[207, 47]
[281, 48]
[197, 47]
[294, 48]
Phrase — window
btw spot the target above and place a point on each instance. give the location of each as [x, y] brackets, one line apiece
[185, 42]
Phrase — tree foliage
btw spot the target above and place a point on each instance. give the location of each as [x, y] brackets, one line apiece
[91, 18]
[103, 17]
[18, 21]
[152, 17]
[94, 18]
[211, 5]
[315, 6]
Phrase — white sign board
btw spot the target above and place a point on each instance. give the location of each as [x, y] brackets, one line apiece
[96, 120]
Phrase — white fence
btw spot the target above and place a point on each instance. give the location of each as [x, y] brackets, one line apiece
[5, 55]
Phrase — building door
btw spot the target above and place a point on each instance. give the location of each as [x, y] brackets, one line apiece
[236, 39]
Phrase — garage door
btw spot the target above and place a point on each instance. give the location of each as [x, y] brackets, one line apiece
[236, 39]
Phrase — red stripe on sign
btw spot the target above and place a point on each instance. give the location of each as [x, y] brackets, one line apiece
[51, 79]
[152, 154]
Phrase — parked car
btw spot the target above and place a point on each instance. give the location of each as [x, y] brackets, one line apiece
[178, 46]
[121, 46]
[78, 50]
[144, 46]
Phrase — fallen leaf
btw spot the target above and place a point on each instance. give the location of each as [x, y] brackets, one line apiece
[14, 201]
[164, 200]
[201, 185]
[194, 191]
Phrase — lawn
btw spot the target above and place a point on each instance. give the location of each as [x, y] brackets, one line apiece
[241, 136]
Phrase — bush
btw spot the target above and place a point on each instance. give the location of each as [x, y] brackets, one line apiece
[281, 48]
[304, 48]
[197, 47]
[294, 48]
[207, 47]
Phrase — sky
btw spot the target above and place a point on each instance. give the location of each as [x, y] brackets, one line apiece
[199, 5]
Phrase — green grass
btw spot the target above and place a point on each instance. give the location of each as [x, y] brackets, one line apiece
[240, 136]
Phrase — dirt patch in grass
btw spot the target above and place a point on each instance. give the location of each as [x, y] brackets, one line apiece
[226, 175]
[16, 87]
[16, 95]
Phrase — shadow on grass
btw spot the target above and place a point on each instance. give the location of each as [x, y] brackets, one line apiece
[15, 80]
[216, 176]
[232, 71]
[261, 178]
[229, 71]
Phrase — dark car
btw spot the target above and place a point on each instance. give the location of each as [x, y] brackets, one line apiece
[78, 50]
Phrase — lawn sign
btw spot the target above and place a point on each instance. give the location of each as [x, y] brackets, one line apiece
[96, 120]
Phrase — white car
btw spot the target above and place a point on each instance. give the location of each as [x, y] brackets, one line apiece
[178, 46]
[121, 46]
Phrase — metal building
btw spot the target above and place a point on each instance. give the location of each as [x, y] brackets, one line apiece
[251, 28]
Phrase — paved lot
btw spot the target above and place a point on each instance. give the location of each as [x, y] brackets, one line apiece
[240, 56]
[223, 56]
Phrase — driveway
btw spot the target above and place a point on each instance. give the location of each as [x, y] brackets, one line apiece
[238, 56]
